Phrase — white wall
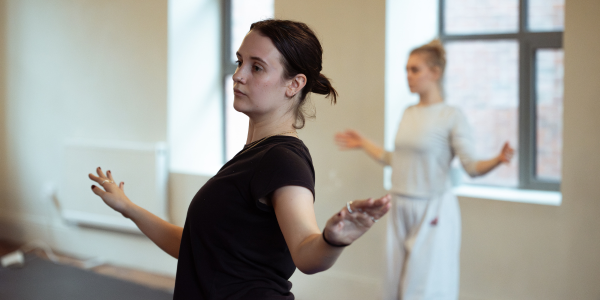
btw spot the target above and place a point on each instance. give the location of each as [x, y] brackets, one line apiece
[77, 69]
[581, 188]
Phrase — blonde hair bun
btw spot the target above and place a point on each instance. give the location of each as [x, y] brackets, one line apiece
[435, 54]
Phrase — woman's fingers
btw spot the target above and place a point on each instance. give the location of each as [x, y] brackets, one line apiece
[373, 207]
[97, 179]
[338, 220]
[340, 141]
[110, 191]
[507, 148]
[94, 178]
[347, 140]
[506, 153]
[353, 134]
[357, 215]
[341, 137]
[98, 191]
[100, 173]
[361, 217]
[355, 219]
[101, 178]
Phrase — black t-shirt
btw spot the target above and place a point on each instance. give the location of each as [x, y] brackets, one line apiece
[232, 246]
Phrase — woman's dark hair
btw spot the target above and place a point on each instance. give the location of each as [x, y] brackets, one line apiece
[301, 53]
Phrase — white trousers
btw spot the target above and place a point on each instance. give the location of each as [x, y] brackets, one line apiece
[423, 248]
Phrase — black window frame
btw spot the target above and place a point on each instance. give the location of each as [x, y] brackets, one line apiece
[529, 43]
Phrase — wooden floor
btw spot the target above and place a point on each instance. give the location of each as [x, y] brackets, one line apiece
[144, 278]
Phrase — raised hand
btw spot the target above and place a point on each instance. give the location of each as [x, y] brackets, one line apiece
[348, 139]
[113, 195]
[355, 219]
[506, 153]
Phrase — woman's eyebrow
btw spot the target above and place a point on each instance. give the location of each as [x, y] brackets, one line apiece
[253, 58]
[258, 59]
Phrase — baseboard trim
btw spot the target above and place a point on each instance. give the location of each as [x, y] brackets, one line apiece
[117, 248]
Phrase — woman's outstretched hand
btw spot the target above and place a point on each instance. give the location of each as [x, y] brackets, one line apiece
[355, 219]
[506, 153]
[349, 139]
[113, 194]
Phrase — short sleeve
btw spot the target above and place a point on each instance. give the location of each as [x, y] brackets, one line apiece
[462, 143]
[281, 166]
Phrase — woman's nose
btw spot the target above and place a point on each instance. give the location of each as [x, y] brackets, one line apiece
[237, 76]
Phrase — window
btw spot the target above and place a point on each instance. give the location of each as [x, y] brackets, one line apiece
[505, 71]
[238, 15]
[194, 87]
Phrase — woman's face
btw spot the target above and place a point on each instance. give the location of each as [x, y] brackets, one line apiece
[258, 83]
[420, 76]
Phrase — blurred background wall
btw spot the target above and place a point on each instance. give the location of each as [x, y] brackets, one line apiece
[99, 69]
[77, 70]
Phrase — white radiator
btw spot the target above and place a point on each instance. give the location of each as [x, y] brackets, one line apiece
[142, 166]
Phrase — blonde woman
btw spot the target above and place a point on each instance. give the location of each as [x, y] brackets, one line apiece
[424, 229]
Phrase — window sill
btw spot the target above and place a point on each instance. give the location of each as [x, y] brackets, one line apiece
[508, 194]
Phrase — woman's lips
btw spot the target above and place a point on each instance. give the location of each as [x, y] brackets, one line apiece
[238, 92]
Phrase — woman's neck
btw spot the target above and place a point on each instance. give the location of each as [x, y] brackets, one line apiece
[261, 129]
[430, 97]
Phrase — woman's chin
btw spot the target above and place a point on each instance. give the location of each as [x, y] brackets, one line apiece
[238, 105]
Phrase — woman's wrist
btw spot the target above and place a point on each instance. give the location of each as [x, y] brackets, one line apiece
[129, 211]
[328, 242]
[361, 143]
[499, 159]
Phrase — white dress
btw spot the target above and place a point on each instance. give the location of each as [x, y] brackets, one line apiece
[424, 228]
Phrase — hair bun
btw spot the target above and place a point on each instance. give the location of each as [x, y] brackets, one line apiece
[436, 54]
[323, 86]
[436, 45]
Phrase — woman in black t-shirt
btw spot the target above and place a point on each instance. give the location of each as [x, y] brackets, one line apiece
[253, 223]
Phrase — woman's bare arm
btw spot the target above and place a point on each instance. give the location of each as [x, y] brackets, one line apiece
[351, 139]
[296, 216]
[164, 234]
[485, 166]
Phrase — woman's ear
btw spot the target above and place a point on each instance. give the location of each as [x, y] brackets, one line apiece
[437, 73]
[295, 85]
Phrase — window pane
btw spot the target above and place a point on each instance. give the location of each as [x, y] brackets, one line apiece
[481, 16]
[236, 123]
[549, 103]
[243, 14]
[482, 79]
[546, 15]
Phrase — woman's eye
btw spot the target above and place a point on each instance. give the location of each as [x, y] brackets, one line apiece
[257, 68]
[238, 63]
